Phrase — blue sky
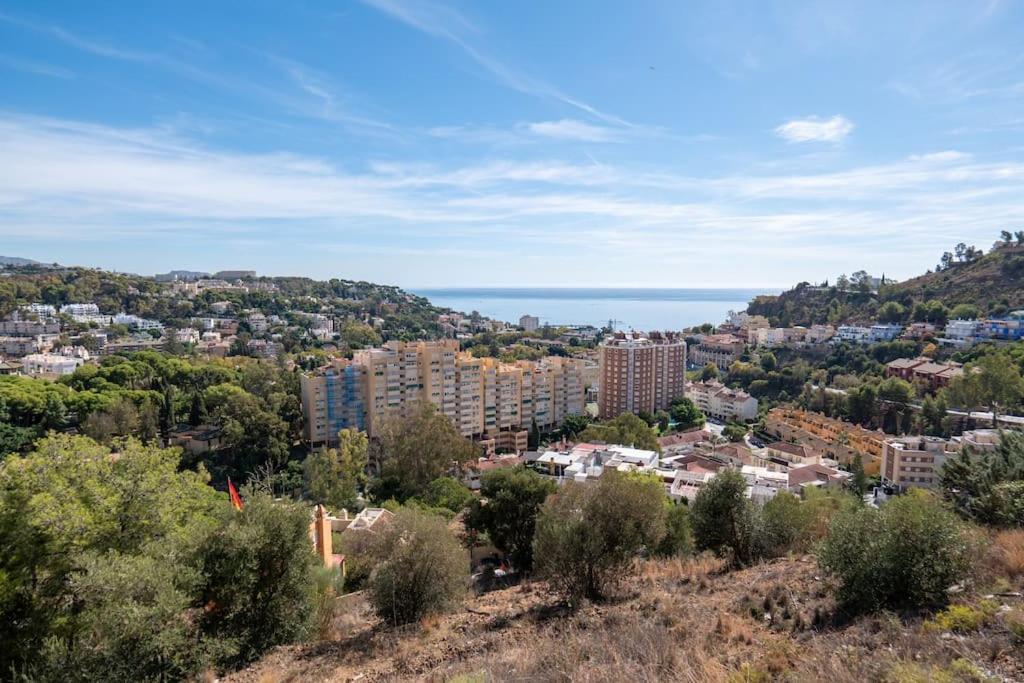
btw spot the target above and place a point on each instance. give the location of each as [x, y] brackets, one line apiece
[593, 143]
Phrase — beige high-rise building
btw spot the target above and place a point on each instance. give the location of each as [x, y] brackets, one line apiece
[641, 373]
[483, 397]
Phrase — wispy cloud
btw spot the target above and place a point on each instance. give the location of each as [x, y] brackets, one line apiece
[37, 68]
[311, 96]
[571, 129]
[444, 22]
[815, 129]
[57, 175]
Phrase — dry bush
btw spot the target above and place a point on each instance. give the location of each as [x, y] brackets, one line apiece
[683, 569]
[1007, 551]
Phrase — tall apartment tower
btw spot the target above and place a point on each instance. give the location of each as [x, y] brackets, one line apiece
[333, 398]
[641, 373]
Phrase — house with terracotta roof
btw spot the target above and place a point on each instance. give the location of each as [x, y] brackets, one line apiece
[924, 371]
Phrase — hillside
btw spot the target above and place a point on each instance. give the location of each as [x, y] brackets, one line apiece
[993, 282]
[676, 621]
[17, 261]
[404, 314]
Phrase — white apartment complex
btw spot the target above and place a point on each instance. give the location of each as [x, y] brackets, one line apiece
[722, 403]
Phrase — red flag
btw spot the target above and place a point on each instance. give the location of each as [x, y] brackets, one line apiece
[236, 499]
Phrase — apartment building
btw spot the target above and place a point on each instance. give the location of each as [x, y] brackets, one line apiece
[916, 461]
[854, 334]
[838, 439]
[722, 403]
[332, 400]
[529, 323]
[722, 350]
[641, 373]
[924, 370]
[963, 332]
[483, 397]
[1009, 328]
[52, 364]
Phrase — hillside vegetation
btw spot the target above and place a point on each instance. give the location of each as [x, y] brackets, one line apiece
[992, 282]
[678, 620]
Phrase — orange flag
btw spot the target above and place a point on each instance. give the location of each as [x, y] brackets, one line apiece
[236, 499]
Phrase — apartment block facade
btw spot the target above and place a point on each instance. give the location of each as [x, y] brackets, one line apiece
[721, 350]
[332, 400]
[641, 373]
[483, 397]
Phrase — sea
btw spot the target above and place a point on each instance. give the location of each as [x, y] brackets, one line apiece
[626, 309]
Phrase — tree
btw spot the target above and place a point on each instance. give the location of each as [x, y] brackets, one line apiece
[977, 483]
[859, 480]
[734, 432]
[573, 425]
[510, 499]
[588, 534]
[964, 312]
[252, 435]
[678, 538]
[421, 448]
[448, 493]
[257, 577]
[533, 439]
[420, 570]
[724, 519]
[993, 381]
[332, 477]
[685, 414]
[934, 415]
[69, 503]
[768, 361]
[626, 429]
[907, 554]
[709, 371]
[891, 312]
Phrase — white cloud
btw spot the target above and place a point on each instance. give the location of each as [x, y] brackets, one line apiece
[444, 22]
[815, 129]
[74, 182]
[571, 129]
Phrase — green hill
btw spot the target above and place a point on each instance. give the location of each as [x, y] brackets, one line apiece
[991, 283]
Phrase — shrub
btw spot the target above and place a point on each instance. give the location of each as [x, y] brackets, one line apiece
[507, 511]
[678, 538]
[963, 618]
[905, 555]
[588, 533]
[258, 578]
[448, 493]
[421, 568]
[725, 521]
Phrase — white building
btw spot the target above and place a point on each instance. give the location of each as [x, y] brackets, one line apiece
[883, 332]
[187, 335]
[137, 323]
[42, 310]
[529, 323]
[853, 334]
[720, 402]
[51, 364]
[964, 332]
[80, 309]
[257, 323]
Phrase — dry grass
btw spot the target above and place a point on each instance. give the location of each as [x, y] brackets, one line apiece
[675, 620]
[1007, 551]
[683, 570]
